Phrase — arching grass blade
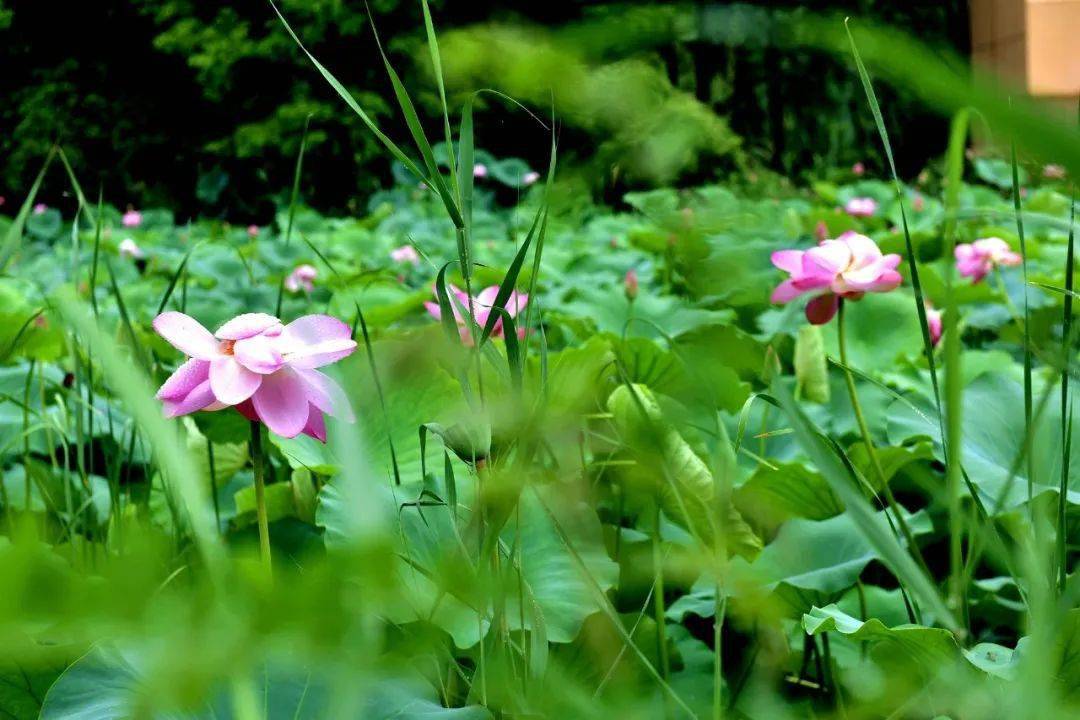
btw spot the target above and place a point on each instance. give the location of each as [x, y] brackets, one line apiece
[1028, 429]
[830, 467]
[13, 238]
[1066, 407]
[294, 198]
[913, 268]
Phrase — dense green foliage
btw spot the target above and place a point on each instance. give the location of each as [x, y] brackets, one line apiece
[200, 106]
[699, 338]
[626, 478]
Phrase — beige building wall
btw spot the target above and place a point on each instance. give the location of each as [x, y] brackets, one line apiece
[1034, 44]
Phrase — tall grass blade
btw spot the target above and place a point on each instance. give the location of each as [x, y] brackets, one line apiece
[831, 468]
[1028, 429]
[954, 379]
[465, 162]
[446, 310]
[371, 362]
[436, 66]
[416, 129]
[513, 353]
[945, 82]
[294, 197]
[298, 173]
[465, 195]
[84, 206]
[538, 254]
[913, 268]
[345, 95]
[173, 280]
[136, 346]
[509, 282]
[97, 253]
[14, 344]
[605, 606]
[1066, 407]
[13, 237]
[133, 388]
[1054, 288]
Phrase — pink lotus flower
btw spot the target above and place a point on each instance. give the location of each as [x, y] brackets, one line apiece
[264, 369]
[40, 208]
[918, 204]
[861, 207]
[481, 308]
[977, 259]
[847, 267]
[405, 254]
[253, 231]
[530, 177]
[933, 324]
[129, 249]
[302, 277]
[858, 169]
[1053, 172]
[132, 218]
[630, 284]
[479, 170]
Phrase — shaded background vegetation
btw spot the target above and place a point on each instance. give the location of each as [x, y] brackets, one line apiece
[199, 106]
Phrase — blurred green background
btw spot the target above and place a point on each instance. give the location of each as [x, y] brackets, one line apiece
[200, 105]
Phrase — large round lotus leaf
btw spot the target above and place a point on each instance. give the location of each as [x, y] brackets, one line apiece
[993, 437]
[110, 683]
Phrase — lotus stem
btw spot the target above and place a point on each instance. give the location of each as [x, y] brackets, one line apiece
[864, 431]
